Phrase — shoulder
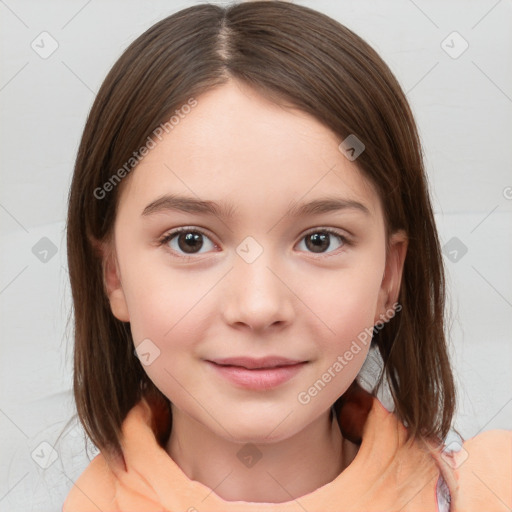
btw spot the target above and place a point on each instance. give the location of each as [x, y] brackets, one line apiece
[483, 467]
[93, 490]
[491, 449]
[490, 438]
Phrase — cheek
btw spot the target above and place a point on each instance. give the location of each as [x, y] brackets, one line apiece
[176, 313]
[347, 298]
[162, 305]
[157, 295]
[347, 307]
[167, 316]
[357, 297]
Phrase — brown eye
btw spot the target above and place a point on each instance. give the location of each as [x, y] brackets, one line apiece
[186, 241]
[189, 242]
[321, 240]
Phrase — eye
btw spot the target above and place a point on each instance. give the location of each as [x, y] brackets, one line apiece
[319, 241]
[187, 241]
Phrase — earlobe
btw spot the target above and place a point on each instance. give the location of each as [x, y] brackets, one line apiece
[113, 285]
[390, 287]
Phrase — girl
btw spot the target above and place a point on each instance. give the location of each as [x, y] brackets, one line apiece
[249, 222]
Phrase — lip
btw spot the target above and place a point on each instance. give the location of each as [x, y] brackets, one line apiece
[257, 374]
[252, 363]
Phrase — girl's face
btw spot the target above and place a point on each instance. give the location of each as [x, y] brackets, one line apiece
[254, 274]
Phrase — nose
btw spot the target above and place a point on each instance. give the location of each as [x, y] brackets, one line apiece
[257, 296]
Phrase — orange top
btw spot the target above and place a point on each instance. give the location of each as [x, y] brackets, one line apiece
[386, 474]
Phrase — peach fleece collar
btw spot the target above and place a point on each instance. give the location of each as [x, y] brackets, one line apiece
[386, 474]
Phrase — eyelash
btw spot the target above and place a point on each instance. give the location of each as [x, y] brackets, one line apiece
[169, 236]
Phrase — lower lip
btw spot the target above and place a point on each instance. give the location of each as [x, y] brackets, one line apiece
[258, 379]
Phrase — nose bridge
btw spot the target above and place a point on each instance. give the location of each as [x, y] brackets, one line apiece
[257, 295]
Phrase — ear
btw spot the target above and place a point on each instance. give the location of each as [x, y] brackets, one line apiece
[112, 280]
[390, 287]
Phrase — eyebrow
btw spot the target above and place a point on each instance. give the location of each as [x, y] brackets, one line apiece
[227, 210]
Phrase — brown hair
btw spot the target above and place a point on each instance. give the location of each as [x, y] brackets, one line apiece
[289, 53]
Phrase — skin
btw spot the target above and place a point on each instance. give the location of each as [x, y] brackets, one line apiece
[291, 301]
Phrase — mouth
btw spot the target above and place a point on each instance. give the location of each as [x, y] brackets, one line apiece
[257, 374]
[263, 363]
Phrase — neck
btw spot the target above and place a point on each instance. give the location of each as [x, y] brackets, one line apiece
[286, 469]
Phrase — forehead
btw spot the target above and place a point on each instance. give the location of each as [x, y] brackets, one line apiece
[235, 143]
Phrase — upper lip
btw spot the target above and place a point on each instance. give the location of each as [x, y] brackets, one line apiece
[252, 363]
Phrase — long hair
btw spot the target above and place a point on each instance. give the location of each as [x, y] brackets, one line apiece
[291, 54]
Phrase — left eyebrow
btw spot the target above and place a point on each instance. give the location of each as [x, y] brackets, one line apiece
[227, 210]
[326, 205]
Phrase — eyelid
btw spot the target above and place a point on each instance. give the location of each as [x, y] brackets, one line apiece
[343, 233]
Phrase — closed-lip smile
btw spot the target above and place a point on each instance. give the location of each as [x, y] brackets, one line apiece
[257, 374]
[253, 363]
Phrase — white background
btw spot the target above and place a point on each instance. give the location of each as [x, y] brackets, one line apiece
[463, 107]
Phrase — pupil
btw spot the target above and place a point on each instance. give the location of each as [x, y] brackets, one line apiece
[320, 241]
[192, 241]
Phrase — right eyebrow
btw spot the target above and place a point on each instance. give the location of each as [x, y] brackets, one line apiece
[189, 205]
